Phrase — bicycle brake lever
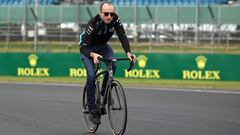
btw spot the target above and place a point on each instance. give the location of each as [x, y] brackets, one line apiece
[132, 64]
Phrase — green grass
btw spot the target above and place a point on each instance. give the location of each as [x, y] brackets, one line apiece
[20, 46]
[219, 85]
[42, 47]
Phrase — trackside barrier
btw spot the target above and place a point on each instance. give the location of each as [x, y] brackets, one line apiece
[50, 14]
[153, 66]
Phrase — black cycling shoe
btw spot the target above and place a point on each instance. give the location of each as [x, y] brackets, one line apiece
[95, 117]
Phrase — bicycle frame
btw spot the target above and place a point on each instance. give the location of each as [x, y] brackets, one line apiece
[108, 97]
[109, 70]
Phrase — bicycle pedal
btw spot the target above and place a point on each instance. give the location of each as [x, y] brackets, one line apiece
[94, 120]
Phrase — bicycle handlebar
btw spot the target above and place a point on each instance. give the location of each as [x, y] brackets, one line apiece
[118, 59]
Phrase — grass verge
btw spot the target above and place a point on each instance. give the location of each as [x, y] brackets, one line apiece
[69, 47]
[195, 84]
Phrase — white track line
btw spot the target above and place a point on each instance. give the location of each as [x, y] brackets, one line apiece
[191, 90]
[135, 88]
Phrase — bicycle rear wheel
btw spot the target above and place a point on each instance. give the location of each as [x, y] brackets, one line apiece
[91, 127]
[117, 108]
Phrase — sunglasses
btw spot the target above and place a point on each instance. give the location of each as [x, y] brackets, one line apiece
[109, 13]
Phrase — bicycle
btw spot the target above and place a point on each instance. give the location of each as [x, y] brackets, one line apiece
[114, 97]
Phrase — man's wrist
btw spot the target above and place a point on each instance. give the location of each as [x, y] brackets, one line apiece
[92, 54]
[128, 53]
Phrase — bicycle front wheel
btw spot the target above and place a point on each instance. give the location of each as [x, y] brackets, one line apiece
[117, 108]
[91, 127]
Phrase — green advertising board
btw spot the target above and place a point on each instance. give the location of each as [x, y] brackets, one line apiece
[151, 66]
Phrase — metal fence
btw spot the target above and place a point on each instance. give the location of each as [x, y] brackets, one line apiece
[156, 24]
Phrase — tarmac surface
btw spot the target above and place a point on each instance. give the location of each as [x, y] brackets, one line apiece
[54, 109]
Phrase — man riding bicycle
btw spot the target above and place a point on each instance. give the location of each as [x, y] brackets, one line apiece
[93, 44]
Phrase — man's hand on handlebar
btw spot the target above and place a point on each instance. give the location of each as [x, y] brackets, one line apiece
[95, 57]
[131, 56]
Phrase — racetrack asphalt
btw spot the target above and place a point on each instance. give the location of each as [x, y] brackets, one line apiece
[54, 109]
